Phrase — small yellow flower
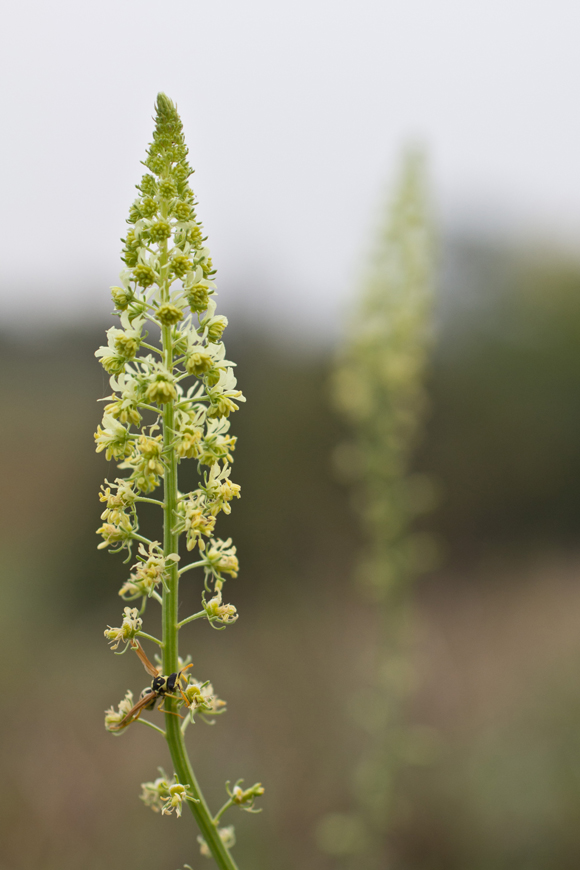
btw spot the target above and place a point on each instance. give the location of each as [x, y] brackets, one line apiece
[198, 363]
[113, 717]
[148, 573]
[131, 626]
[165, 796]
[114, 439]
[221, 557]
[215, 610]
[161, 390]
[169, 314]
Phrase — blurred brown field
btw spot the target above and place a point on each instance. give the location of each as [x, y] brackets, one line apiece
[497, 627]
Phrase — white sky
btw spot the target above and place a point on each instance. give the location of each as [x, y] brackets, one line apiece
[294, 113]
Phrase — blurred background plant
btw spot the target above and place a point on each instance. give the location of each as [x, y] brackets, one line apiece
[379, 389]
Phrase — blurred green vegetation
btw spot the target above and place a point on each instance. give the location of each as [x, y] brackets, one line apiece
[497, 639]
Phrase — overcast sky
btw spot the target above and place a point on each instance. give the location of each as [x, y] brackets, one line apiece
[294, 113]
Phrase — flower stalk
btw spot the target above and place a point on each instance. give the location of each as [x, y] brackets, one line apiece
[153, 421]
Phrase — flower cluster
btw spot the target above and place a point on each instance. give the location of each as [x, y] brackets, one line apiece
[148, 573]
[130, 628]
[120, 517]
[216, 611]
[200, 699]
[168, 285]
[245, 797]
[113, 717]
[165, 795]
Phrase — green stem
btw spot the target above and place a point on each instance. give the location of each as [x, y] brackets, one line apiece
[199, 615]
[151, 725]
[220, 813]
[175, 740]
[149, 637]
[141, 538]
[192, 565]
[150, 347]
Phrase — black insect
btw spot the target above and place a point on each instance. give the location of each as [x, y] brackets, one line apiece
[161, 687]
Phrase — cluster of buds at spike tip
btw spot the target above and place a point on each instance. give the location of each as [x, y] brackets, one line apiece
[169, 283]
[165, 795]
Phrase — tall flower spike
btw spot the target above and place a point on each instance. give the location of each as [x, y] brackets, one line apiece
[172, 400]
[379, 388]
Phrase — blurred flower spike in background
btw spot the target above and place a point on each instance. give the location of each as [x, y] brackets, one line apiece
[379, 387]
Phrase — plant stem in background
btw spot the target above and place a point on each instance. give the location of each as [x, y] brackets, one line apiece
[168, 287]
[379, 389]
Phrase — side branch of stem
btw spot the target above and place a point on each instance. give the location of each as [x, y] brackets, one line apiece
[199, 564]
[199, 615]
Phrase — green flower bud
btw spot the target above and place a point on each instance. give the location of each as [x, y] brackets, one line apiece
[159, 231]
[212, 377]
[180, 342]
[127, 346]
[131, 249]
[195, 236]
[245, 796]
[149, 207]
[221, 406]
[198, 363]
[144, 275]
[167, 189]
[182, 172]
[161, 390]
[135, 213]
[156, 164]
[207, 267]
[122, 296]
[113, 364]
[182, 211]
[216, 328]
[180, 265]
[198, 298]
[177, 153]
[148, 185]
[169, 314]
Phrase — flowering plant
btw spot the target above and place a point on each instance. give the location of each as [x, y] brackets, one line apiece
[173, 392]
